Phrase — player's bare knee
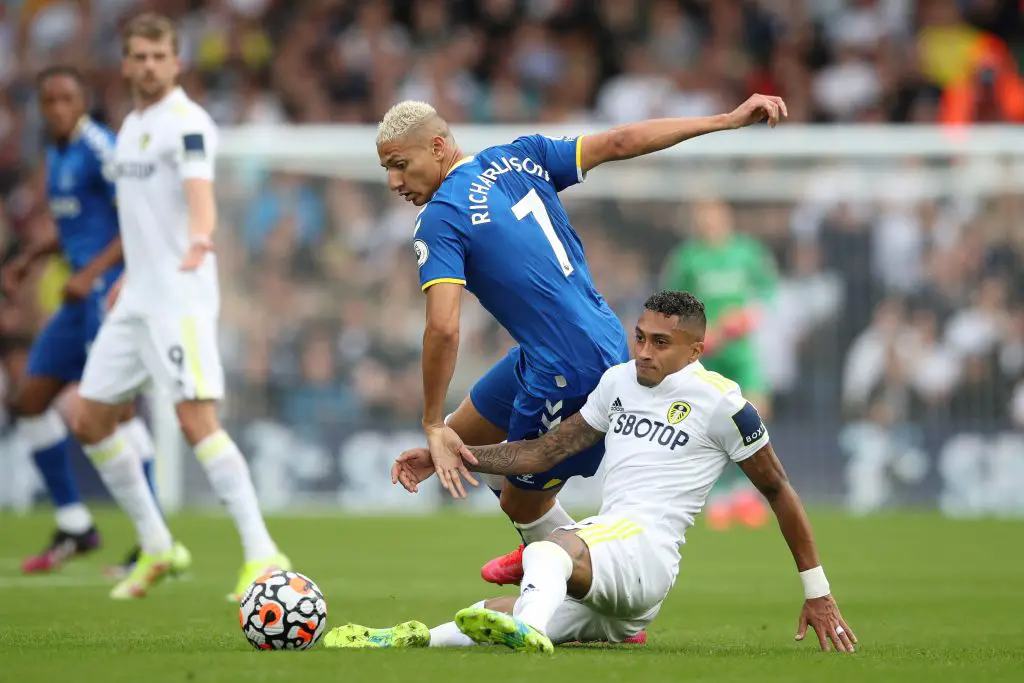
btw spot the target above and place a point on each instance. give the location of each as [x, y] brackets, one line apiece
[472, 427]
[127, 413]
[93, 422]
[197, 419]
[505, 603]
[524, 507]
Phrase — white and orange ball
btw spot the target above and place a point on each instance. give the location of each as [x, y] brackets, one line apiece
[283, 611]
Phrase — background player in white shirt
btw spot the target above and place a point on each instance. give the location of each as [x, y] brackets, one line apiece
[163, 326]
[670, 428]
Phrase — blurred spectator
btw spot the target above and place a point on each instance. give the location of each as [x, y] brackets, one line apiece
[908, 306]
[992, 91]
[318, 398]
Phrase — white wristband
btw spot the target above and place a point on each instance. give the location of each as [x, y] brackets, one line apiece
[815, 583]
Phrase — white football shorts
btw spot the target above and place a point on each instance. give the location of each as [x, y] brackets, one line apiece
[178, 354]
[632, 574]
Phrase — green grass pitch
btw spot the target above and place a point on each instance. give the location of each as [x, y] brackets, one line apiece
[930, 599]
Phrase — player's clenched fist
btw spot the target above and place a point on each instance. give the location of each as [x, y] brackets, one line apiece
[758, 108]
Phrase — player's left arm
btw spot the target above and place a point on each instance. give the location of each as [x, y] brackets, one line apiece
[540, 454]
[820, 610]
[196, 156]
[737, 429]
[765, 471]
[646, 137]
[579, 432]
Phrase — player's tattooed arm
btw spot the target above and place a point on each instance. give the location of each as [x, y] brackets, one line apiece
[537, 455]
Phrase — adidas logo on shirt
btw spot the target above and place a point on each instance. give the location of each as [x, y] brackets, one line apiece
[617, 405]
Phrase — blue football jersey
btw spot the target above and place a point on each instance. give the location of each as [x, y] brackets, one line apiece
[81, 196]
[497, 226]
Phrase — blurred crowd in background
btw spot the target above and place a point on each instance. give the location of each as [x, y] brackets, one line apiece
[893, 310]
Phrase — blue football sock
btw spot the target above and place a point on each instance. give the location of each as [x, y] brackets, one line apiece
[54, 465]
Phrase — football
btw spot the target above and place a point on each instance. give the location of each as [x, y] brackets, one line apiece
[283, 611]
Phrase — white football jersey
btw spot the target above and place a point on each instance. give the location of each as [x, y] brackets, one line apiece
[665, 446]
[157, 149]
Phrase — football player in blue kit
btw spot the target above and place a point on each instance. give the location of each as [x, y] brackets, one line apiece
[493, 223]
[82, 205]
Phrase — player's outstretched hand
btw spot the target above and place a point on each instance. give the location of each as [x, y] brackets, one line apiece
[450, 455]
[78, 286]
[758, 108]
[822, 614]
[412, 467]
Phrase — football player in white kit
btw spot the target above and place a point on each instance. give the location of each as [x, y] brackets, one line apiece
[163, 326]
[670, 429]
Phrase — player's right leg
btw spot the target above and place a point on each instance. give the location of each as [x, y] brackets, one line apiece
[182, 355]
[554, 568]
[409, 634]
[484, 418]
[607, 564]
[55, 359]
[135, 432]
[114, 372]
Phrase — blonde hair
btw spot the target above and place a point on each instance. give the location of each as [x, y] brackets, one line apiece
[151, 27]
[404, 118]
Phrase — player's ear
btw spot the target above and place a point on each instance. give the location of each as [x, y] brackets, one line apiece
[437, 146]
[696, 350]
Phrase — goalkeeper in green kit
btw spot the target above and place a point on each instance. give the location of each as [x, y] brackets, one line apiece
[734, 275]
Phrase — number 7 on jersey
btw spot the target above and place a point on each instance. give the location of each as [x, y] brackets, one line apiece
[531, 203]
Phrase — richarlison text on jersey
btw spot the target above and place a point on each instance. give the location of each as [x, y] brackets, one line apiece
[478, 191]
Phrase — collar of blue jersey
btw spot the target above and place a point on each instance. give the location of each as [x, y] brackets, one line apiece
[460, 162]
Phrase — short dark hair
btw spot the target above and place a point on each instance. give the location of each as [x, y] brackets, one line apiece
[60, 70]
[686, 306]
[150, 26]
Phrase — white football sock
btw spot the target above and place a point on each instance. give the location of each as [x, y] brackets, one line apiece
[121, 471]
[546, 569]
[42, 431]
[542, 528]
[230, 479]
[74, 518]
[449, 635]
[139, 439]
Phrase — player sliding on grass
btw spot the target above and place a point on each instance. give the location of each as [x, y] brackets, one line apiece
[670, 428]
[492, 223]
